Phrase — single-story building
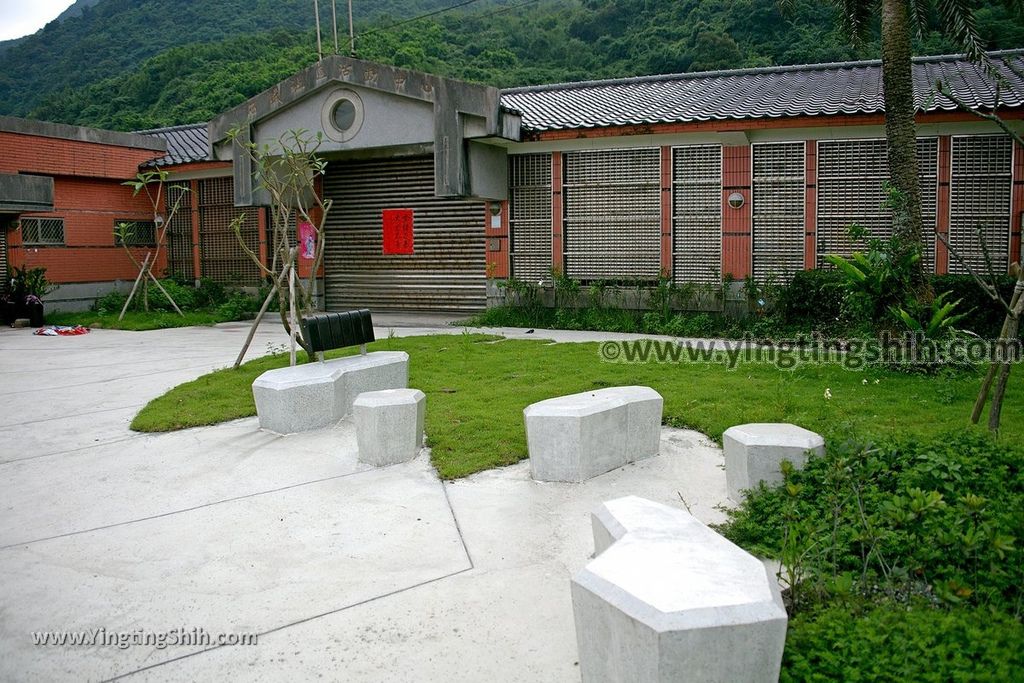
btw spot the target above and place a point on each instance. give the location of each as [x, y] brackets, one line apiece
[694, 177]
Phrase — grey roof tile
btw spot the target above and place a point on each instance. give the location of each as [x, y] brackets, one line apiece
[185, 144]
[773, 92]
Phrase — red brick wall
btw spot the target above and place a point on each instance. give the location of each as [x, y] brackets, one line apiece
[52, 156]
[736, 223]
[497, 259]
[89, 207]
[89, 196]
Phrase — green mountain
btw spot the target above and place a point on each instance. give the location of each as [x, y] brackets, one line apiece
[97, 39]
[191, 67]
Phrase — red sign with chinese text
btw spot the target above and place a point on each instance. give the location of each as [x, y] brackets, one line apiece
[398, 238]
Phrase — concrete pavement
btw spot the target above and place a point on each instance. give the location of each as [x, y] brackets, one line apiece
[346, 572]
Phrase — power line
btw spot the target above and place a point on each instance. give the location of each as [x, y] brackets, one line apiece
[427, 15]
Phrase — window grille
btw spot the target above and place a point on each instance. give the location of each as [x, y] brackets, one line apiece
[697, 213]
[42, 231]
[778, 210]
[613, 214]
[980, 187]
[136, 233]
[530, 216]
[179, 233]
[851, 190]
[222, 257]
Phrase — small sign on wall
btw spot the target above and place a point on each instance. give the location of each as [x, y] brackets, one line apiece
[398, 231]
[307, 240]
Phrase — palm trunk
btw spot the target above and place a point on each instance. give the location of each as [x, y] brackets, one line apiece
[900, 128]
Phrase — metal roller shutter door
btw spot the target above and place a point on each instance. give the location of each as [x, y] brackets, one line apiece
[980, 186]
[697, 214]
[613, 214]
[448, 270]
[530, 216]
[778, 210]
[851, 189]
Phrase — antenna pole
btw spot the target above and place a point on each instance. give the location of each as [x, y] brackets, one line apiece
[319, 47]
[351, 32]
[334, 22]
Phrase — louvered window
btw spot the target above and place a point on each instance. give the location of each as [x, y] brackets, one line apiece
[778, 210]
[530, 216]
[42, 231]
[697, 213]
[613, 214]
[980, 188]
[851, 190]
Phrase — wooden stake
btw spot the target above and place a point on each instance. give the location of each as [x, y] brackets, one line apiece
[131, 294]
[259, 317]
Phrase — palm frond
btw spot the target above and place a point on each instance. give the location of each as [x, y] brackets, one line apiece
[856, 16]
[958, 23]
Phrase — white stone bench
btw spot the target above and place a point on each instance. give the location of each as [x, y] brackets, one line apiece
[754, 453]
[315, 395]
[668, 599]
[574, 438]
[389, 425]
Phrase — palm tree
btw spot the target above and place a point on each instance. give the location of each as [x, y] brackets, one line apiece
[900, 18]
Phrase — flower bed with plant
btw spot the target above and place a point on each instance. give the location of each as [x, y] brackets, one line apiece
[902, 559]
[207, 304]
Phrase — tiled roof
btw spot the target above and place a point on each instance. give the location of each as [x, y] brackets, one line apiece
[812, 90]
[185, 144]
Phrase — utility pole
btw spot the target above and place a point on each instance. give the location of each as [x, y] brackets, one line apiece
[334, 23]
[351, 32]
[319, 47]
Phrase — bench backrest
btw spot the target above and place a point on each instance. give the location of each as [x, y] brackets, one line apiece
[326, 331]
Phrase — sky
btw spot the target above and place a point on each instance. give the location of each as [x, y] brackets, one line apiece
[22, 17]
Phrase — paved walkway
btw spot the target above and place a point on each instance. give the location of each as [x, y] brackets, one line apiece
[345, 572]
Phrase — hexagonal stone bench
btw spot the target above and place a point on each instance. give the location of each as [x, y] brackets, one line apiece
[389, 425]
[754, 453]
[315, 395]
[574, 438]
[668, 599]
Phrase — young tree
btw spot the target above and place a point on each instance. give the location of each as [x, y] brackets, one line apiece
[125, 233]
[288, 172]
[899, 20]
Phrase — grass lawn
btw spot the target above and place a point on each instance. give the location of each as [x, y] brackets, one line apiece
[138, 320]
[477, 387]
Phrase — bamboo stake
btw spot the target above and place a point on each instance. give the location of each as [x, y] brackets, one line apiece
[292, 322]
[138, 278]
[259, 317]
[161, 288]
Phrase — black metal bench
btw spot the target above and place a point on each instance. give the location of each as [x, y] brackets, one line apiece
[326, 331]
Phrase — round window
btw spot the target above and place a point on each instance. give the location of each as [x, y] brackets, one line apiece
[341, 115]
[344, 115]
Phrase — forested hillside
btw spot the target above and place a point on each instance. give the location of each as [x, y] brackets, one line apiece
[94, 39]
[503, 42]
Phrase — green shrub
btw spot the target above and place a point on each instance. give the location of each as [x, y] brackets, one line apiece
[210, 293]
[983, 315]
[111, 302]
[814, 298]
[891, 643]
[183, 295]
[239, 306]
[943, 518]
